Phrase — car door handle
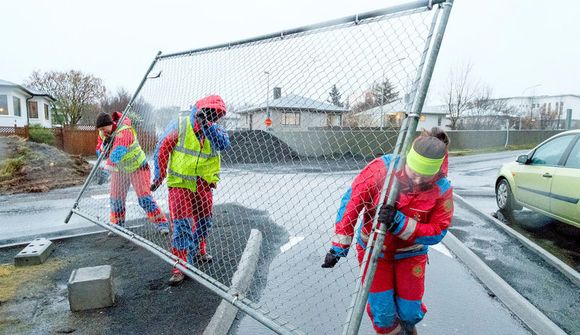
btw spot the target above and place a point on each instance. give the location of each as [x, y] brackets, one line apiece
[547, 175]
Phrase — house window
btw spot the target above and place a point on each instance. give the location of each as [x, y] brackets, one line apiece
[16, 103]
[333, 120]
[46, 114]
[291, 118]
[3, 105]
[439, 120]
[422, 118]
[33, 109]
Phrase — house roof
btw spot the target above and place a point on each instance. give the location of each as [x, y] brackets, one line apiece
[392, 107]
[399, 106]
[296, 102]
[30, 91]
[435, 109]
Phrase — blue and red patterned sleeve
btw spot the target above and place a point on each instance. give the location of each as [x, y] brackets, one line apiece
[218, 137]
[362, 194]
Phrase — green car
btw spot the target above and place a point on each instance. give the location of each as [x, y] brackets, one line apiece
[546, 180]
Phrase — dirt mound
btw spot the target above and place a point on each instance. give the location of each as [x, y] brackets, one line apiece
[33, 167]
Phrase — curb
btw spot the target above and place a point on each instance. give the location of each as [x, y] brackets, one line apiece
[226, 313]
[564, 268]
[533, 318]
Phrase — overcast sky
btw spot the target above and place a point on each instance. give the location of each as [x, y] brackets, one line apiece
[512, 45]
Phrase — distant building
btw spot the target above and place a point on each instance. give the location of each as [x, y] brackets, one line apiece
[232, 121]
[291, 112]
[22, 106]
[558, 108]
[391, 115]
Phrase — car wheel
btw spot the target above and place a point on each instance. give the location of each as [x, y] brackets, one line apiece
[504, 197]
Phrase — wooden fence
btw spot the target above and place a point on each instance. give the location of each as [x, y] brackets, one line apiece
[18, 131]
[80, 140]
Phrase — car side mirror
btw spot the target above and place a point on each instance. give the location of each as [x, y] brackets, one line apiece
[522, 159]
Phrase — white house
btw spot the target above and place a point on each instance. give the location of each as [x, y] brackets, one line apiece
[392, 115]
[22, 106]
[291, 112]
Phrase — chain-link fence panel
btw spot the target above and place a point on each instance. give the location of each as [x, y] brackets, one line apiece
[305, 110]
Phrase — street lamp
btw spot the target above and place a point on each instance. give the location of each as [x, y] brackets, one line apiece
[381, 82]
[267, 94]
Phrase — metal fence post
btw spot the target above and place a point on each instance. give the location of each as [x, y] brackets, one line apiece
[100, 158]
[353, 325]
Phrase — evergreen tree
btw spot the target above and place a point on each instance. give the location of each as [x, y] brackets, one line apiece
[384, 93]
[335, 96]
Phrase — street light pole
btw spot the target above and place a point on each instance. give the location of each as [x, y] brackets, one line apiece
[267, 94]
[382, 87]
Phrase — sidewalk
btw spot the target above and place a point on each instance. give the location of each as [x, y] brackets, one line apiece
[457, 303]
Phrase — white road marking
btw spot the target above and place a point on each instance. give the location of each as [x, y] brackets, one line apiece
[293, 241]
[442, 249]
[100, 196]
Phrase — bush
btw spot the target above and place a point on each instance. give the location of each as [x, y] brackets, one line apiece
[38, 134]
[10, 168]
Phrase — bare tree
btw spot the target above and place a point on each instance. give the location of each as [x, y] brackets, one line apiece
[74, 91]
[486, 112]
[459, 94]
[115, 103]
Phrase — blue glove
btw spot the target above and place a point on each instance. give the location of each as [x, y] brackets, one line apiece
[118, 154]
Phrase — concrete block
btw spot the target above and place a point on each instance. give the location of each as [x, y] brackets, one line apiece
[36, 252]
[90, 288]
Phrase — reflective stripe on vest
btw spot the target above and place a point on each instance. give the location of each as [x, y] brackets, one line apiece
[135, 156]
[190, 160]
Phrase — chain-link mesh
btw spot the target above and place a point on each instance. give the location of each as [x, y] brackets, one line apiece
[335, 96]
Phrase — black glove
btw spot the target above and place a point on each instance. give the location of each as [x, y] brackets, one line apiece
[107, 140]
[155, 186]
[202, 119]
[387, 216]
[331, 259]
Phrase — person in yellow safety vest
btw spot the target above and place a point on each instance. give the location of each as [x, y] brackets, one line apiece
[189, 153]
[127, 163]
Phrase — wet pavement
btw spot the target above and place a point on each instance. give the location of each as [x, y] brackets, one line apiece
[457, 303]
[549, 290]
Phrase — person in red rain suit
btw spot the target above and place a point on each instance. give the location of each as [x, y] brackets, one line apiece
[420, 217]
[128, 166]
[189, 153]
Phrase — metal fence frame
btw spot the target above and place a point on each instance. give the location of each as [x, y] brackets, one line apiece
[419, 92]
[406, 135]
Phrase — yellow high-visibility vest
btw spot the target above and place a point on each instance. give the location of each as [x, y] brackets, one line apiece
[135, 156]
[189, 160]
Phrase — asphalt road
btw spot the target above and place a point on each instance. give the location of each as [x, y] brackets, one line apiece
[292, 286]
